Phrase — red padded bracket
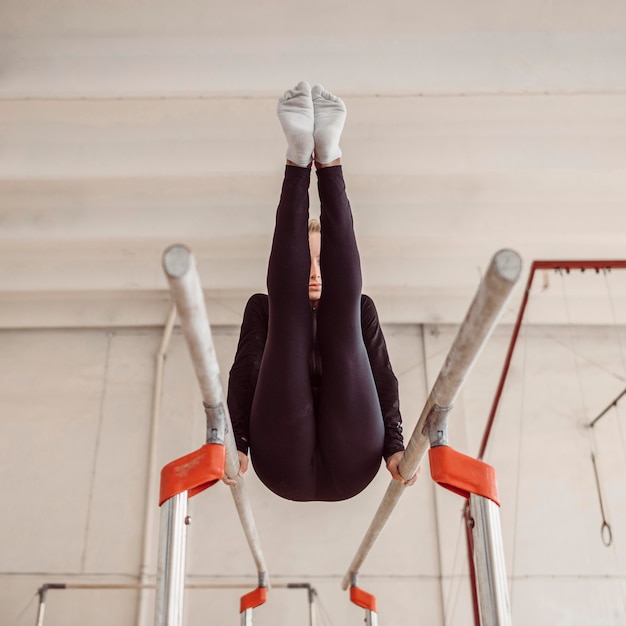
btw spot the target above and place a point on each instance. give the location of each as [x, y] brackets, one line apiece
[253, 599]
[462, 474]
[363, 599]
[193, 472]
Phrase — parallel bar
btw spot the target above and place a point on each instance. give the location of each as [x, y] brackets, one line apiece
[491, 581]
[180, 268]
[479, 322]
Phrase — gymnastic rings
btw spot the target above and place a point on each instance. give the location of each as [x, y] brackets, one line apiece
[606, 533]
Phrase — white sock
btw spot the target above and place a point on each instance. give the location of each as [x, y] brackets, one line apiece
[295, 112]
[330, 116]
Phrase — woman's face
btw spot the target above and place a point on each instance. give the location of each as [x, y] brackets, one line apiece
[315, 274]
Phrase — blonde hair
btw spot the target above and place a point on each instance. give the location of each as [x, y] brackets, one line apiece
[314, 226]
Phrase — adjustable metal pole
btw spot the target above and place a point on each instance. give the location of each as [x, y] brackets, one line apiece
[480, 320]
[311, 599]
[246, 618]
[171, 561]
[491, 581]
[42, 592]
[371, 618]
[366, 601]
[41, 611]
[311, 593]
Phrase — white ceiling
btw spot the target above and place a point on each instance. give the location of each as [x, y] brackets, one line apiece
[129, 125]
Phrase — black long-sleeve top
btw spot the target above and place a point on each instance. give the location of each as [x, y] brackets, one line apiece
[245, 371]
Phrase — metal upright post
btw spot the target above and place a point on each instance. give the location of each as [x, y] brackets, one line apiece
[491, 581]
[311, 598]
[42, 592]
[475, 480]
[171, 561]
[366, 601]
[311, 593]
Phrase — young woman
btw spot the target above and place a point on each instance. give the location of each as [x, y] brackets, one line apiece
[311, 392]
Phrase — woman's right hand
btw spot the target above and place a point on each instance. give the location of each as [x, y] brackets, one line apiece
[393, 463]
[243, 468]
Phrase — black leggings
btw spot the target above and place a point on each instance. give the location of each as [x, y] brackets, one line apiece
[329, 449]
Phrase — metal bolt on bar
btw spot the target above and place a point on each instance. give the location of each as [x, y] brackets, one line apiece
[480, 320]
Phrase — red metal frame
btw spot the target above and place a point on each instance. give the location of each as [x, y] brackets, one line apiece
[597, 266]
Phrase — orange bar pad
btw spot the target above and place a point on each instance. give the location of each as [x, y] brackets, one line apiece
[193, 472]
[462, 474]
[253, 599]
[363, 599]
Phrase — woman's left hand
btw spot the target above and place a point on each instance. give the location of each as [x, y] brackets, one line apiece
[392, 465]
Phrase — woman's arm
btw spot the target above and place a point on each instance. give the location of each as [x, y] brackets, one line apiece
[386, 386]
[243, 374]
[384, 378]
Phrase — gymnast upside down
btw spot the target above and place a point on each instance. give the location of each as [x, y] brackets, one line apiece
[311, 393]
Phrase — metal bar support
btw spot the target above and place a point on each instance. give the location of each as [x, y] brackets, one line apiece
[311, 594]
[491, 581]
[171, 561]
[480, 320]
[43, 591]
[366, 601]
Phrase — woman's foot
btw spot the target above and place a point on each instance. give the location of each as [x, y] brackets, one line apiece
[330, 116]
[295, 112]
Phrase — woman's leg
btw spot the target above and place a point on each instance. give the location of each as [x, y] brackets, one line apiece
[350, 425]
[282, 421]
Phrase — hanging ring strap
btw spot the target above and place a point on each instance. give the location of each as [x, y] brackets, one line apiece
[605, 530]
